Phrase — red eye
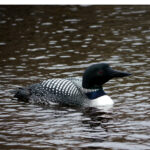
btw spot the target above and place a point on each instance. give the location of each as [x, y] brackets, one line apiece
[100, 72]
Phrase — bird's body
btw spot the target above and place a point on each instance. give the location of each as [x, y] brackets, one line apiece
[86, 91]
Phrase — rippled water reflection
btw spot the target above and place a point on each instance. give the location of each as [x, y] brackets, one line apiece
[40, 42]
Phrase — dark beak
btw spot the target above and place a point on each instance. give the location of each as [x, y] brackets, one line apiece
[115, 73]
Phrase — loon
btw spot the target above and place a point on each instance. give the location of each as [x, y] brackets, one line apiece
[85, 91]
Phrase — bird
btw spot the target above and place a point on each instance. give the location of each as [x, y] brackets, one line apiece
[75, 91]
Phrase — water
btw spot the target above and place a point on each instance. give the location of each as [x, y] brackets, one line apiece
[41, 42]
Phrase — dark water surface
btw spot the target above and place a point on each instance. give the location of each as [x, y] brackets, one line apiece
[41, 42]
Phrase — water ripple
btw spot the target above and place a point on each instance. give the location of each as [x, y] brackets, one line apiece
[42, 42]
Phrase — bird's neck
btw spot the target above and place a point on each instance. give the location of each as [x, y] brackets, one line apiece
[95, 94]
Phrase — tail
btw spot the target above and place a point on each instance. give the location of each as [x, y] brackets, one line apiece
[22, 94]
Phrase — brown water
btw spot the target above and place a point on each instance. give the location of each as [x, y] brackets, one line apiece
[41, 42]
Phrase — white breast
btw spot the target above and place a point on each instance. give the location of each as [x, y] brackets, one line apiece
[101, 101]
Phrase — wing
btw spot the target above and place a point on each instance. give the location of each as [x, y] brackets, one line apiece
[62, 91]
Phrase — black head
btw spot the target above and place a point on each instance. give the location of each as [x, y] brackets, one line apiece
[98, 74]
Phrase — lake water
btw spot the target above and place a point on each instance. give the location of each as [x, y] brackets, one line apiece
[41, 42]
